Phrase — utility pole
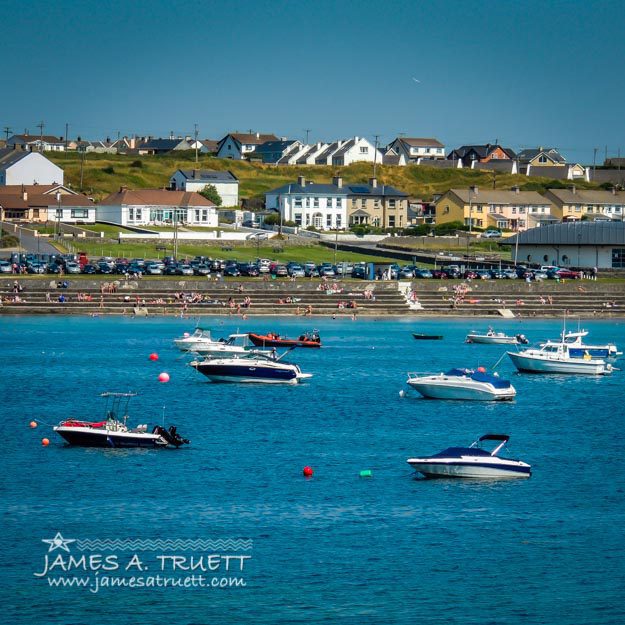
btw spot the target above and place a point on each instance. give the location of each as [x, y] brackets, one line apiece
[66, 131]
[41, 125]
[594, 161]
[375, 154]
[7, 131]
[606, 155]
[307, 131]
[82, 163]
[195, 134]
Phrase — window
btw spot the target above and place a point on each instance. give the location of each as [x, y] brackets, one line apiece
[542, 159]
[338, 221]
[391, 221]
[364, 149]
[298, 219]
[318, 220]
[618, 257]
[298, 202]
[197, 214]
[131, 214]
[391, 203]
[315, 202]
[514, 210]
[36, 213]
[204, 214]
[376, 203]
[79, 213]
[138, 213]
[329, 220]
[354, 202]
[363, 203]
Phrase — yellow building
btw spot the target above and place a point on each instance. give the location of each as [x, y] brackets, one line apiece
[572, 204]
[375, 204]
[511, 210]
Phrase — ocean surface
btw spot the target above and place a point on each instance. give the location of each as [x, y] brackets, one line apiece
[337, 548]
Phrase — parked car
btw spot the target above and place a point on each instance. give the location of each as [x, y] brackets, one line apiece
[201, 270]
[359, 271]
[280, 271]
[5, 267]
[153, 270]
[232, 271]
[185, 270]
[483, 274]
[296, 270]
[310, 270]
[423, 273]
[35, 267]
[89, 269]
[249, 269]
[496, 274]
[562, 274]
[104, 268]
[510, 274]
[407, 271]
[491, 234]
[327, 270]
[439, 274]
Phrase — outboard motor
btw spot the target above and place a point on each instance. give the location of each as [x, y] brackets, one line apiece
[171, 435]
[522, 339]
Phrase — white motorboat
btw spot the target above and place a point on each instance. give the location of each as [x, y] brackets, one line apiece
[496, 338]
[254, 366]
[578, 349]
[199, 339]
[472, 462]
[464, 384]
[559, 357]
[234, 344]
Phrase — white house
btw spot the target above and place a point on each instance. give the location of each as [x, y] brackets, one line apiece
[20, 167]
[347, 151]
[240, 145]
[157, 206]
[323, 206]
[225, 182]
[34, 143]
[413, 148]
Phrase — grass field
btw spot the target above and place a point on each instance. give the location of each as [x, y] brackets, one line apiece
[109, 231]
[105, 173]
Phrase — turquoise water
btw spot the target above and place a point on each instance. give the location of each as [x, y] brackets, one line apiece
[335, 548]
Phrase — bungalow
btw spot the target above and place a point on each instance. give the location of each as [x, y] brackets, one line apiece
[274, 151]
[323, 206]
[209, 146]
[413, 148]
[41, 203]
[239, 146]
[225, 182]
[567, 171]
[34, 143]
[379, 205]
[481, 153]
[162, 146]
[18, 167]
[511, 210]
[157, 206]
[576, 204]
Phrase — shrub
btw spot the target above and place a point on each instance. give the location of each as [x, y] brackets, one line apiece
[108, 170]
[9, 240]
[138, 164]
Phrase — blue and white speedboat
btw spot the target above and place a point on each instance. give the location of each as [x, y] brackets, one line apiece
[472, 462]
[578, 349]
[254, 366]
[465, 384]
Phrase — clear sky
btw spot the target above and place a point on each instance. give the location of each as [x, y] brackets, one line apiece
[526, 73]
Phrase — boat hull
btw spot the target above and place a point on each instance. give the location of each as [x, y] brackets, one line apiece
[427, 337]
[534, 364]
[433, 388]
[492, 340]
[469, 469]
[90, 437]
[248, 373]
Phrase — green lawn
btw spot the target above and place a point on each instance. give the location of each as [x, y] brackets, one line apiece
[109, 230]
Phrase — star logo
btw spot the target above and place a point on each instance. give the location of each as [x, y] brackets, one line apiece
[58, 542]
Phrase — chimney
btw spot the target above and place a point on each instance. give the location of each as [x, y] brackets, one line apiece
[24, 194]
[338, 181]
[194, 174]
[573, 189]
[373, 182]
[516, 189]
[301, 181]
[258, 135]
[474, 189]
[613, 190]
[123, 188]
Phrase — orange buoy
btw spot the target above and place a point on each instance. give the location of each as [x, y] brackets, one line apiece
[163, 377]
[33, 424]
[481, 369]
[45, 442]
[153, 356]
[307, 471]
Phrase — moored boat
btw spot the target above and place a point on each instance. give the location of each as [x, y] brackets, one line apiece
[464, 384]
[113, 431]
[427, 337]
[234, 344]
[200, 338]
[272, 339]
[255, 366]
[495, 338]
[472, 462]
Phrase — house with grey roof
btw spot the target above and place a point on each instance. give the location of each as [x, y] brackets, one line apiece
[347, 151]
[162, 146]
[309, 155]
[379, 205]
[36, 143]
[582, 244]
[413, 148]
[575, 204]
[541, 156]
[323, 206]
[241, 145]
[482, 153]
[276, 151]
[225, 182]
[25, 167]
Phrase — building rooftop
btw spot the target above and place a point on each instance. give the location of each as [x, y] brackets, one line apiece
[155, 197]
[208, 175]
[573, 233]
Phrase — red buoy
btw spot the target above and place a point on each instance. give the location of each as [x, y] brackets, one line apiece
[33, 424]
[307, 471]
[153, 356]
[482, 369]
[163, 377]
[45, 442]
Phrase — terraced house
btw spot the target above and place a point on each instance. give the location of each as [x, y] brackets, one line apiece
[575, 204]
[307, 203]
[508, 210]
[378, 205]
[414, 148]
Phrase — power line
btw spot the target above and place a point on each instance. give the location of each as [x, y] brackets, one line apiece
[7, 130]
[307, 131]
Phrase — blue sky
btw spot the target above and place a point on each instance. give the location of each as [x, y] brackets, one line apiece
[525, 73]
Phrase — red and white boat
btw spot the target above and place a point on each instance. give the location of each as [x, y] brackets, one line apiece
[272, 339]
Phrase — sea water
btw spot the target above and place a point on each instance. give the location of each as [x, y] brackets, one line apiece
[336, 548]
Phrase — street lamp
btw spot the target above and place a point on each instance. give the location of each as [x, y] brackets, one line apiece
[58, 215]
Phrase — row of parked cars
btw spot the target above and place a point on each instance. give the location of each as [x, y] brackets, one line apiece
[509, 273]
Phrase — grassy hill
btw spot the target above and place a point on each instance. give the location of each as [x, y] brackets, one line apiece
[105, 173]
